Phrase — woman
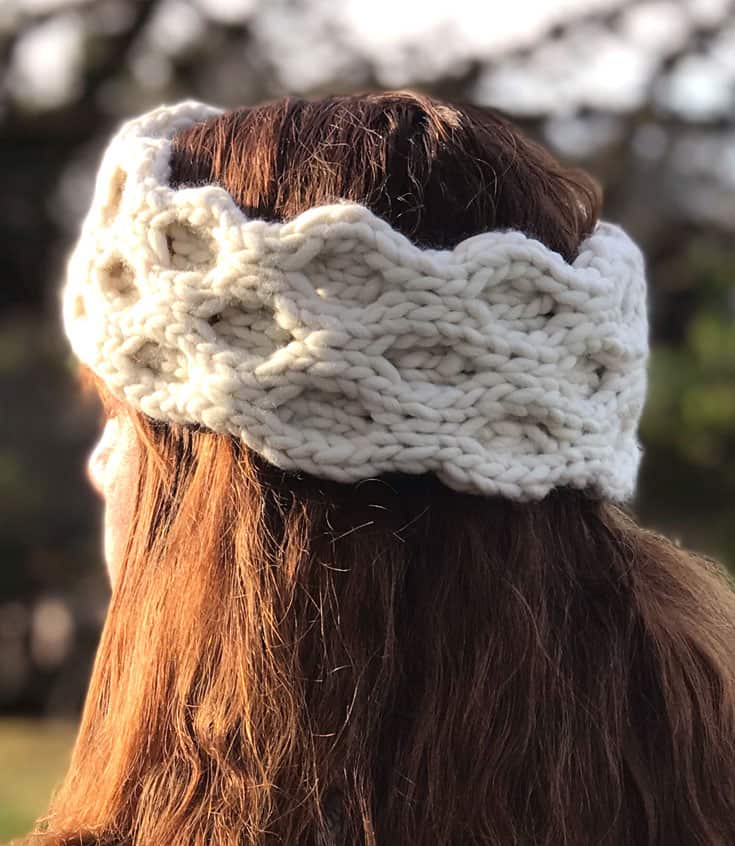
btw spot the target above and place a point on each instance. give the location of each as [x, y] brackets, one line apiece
[372, 368]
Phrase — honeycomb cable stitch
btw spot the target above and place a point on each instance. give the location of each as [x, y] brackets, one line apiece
[331, 344]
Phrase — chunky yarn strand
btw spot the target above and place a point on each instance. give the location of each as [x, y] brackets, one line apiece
[332, 344]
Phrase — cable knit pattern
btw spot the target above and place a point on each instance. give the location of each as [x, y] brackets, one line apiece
[332, 344]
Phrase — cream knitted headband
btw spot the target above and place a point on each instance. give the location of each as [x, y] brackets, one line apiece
[331, 344]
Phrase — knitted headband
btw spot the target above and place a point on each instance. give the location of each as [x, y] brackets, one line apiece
[332, 344]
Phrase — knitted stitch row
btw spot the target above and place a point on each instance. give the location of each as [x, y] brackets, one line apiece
[332, 344]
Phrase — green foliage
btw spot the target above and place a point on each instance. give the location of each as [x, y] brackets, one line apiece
[691, 402]
[34, 755]
[689, 419]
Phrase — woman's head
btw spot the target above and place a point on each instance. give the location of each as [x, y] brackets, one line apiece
[431, 665]
[437, 173]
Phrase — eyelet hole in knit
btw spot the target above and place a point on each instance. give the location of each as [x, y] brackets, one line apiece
[119, 179]
[338, 278]
[330, 411]
[437, 363]
[188, 248]
[117, 279]
[149, 355]
[253, 330]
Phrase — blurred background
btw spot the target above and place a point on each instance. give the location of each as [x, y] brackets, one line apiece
[642, 94]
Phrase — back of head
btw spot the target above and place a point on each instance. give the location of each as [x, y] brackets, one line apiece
[292, 658]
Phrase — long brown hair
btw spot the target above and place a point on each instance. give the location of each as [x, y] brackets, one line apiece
[425, 666]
